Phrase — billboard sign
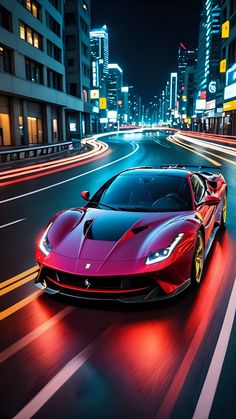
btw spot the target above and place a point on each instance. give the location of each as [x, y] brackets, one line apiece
[94, 94]
[230, 91]
[231, 75]
[200, 104]
[102, 103]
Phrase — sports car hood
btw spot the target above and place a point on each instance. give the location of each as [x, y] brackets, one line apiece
[104, 235]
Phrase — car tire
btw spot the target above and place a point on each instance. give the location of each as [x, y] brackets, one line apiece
[198, 260]
[224, 212]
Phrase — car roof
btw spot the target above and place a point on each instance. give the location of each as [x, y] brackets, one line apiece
[152, 171]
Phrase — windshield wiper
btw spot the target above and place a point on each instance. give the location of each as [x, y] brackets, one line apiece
[103, 205]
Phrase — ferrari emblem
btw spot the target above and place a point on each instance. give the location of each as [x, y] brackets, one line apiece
[87, 266]
[87, 283]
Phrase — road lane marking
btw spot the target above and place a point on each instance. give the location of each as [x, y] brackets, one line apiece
[17, 284]
[30, 337]
[216, 163]
[19, 305]
[176, 141]
[19, 276]
[60, 378]
[13, 222]
[209, 388]
[70, 179]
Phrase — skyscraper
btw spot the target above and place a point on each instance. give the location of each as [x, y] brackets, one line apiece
[207, 71]
[228, 67]
[186, 58]
[99, 58]
[99, 49]
[173, 96]
[114, 96]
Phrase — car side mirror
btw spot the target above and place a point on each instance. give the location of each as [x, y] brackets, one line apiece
[210, 200]
[85, 195]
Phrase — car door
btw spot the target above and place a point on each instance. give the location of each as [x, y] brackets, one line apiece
[207, 212]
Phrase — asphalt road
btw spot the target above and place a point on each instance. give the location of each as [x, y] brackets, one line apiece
[70, 359]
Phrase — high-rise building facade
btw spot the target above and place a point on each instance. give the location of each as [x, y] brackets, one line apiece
[186, 58]
[125, 104]
[173, 96]
[37, 96]
[99, 46]
[99, 58]
[136, 110]
[228, 66]
[77, 61]
[114, 95]
[207, 70]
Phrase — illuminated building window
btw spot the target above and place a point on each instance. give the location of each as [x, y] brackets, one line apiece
[84, 5]
[54, 130]
[85, 94]
[33, 7]
[35, 131]
[5, 131]
[22, 31]
[30, 36]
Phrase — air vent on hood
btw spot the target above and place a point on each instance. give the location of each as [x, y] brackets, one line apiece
[139, 229]
[87, 224]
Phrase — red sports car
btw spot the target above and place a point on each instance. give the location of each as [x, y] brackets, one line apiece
[143, 236]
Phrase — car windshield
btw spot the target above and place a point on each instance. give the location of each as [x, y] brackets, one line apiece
[145, 192]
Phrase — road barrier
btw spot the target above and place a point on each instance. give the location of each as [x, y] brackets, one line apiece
[13, 154]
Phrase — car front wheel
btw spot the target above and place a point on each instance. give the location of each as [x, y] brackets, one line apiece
[198, 260]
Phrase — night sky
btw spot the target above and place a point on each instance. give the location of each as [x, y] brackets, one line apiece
[144, 36]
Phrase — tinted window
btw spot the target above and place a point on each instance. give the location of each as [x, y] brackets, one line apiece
[199, 188]
[148, 192]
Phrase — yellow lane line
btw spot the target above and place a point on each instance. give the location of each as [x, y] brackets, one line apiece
[17, 277]
[205, 144]
[19, 305]
[208, 152]
[216, 163]
[17, 284]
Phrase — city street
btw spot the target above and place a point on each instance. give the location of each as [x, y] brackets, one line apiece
[68, 358]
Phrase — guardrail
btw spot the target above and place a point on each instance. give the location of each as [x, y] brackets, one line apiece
[13, 154]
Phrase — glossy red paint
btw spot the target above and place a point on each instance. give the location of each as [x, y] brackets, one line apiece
[79, 252]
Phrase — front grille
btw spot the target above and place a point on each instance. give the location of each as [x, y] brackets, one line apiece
[112, 284]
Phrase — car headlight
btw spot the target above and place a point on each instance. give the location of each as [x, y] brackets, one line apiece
[44, 244]
[163, 254]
